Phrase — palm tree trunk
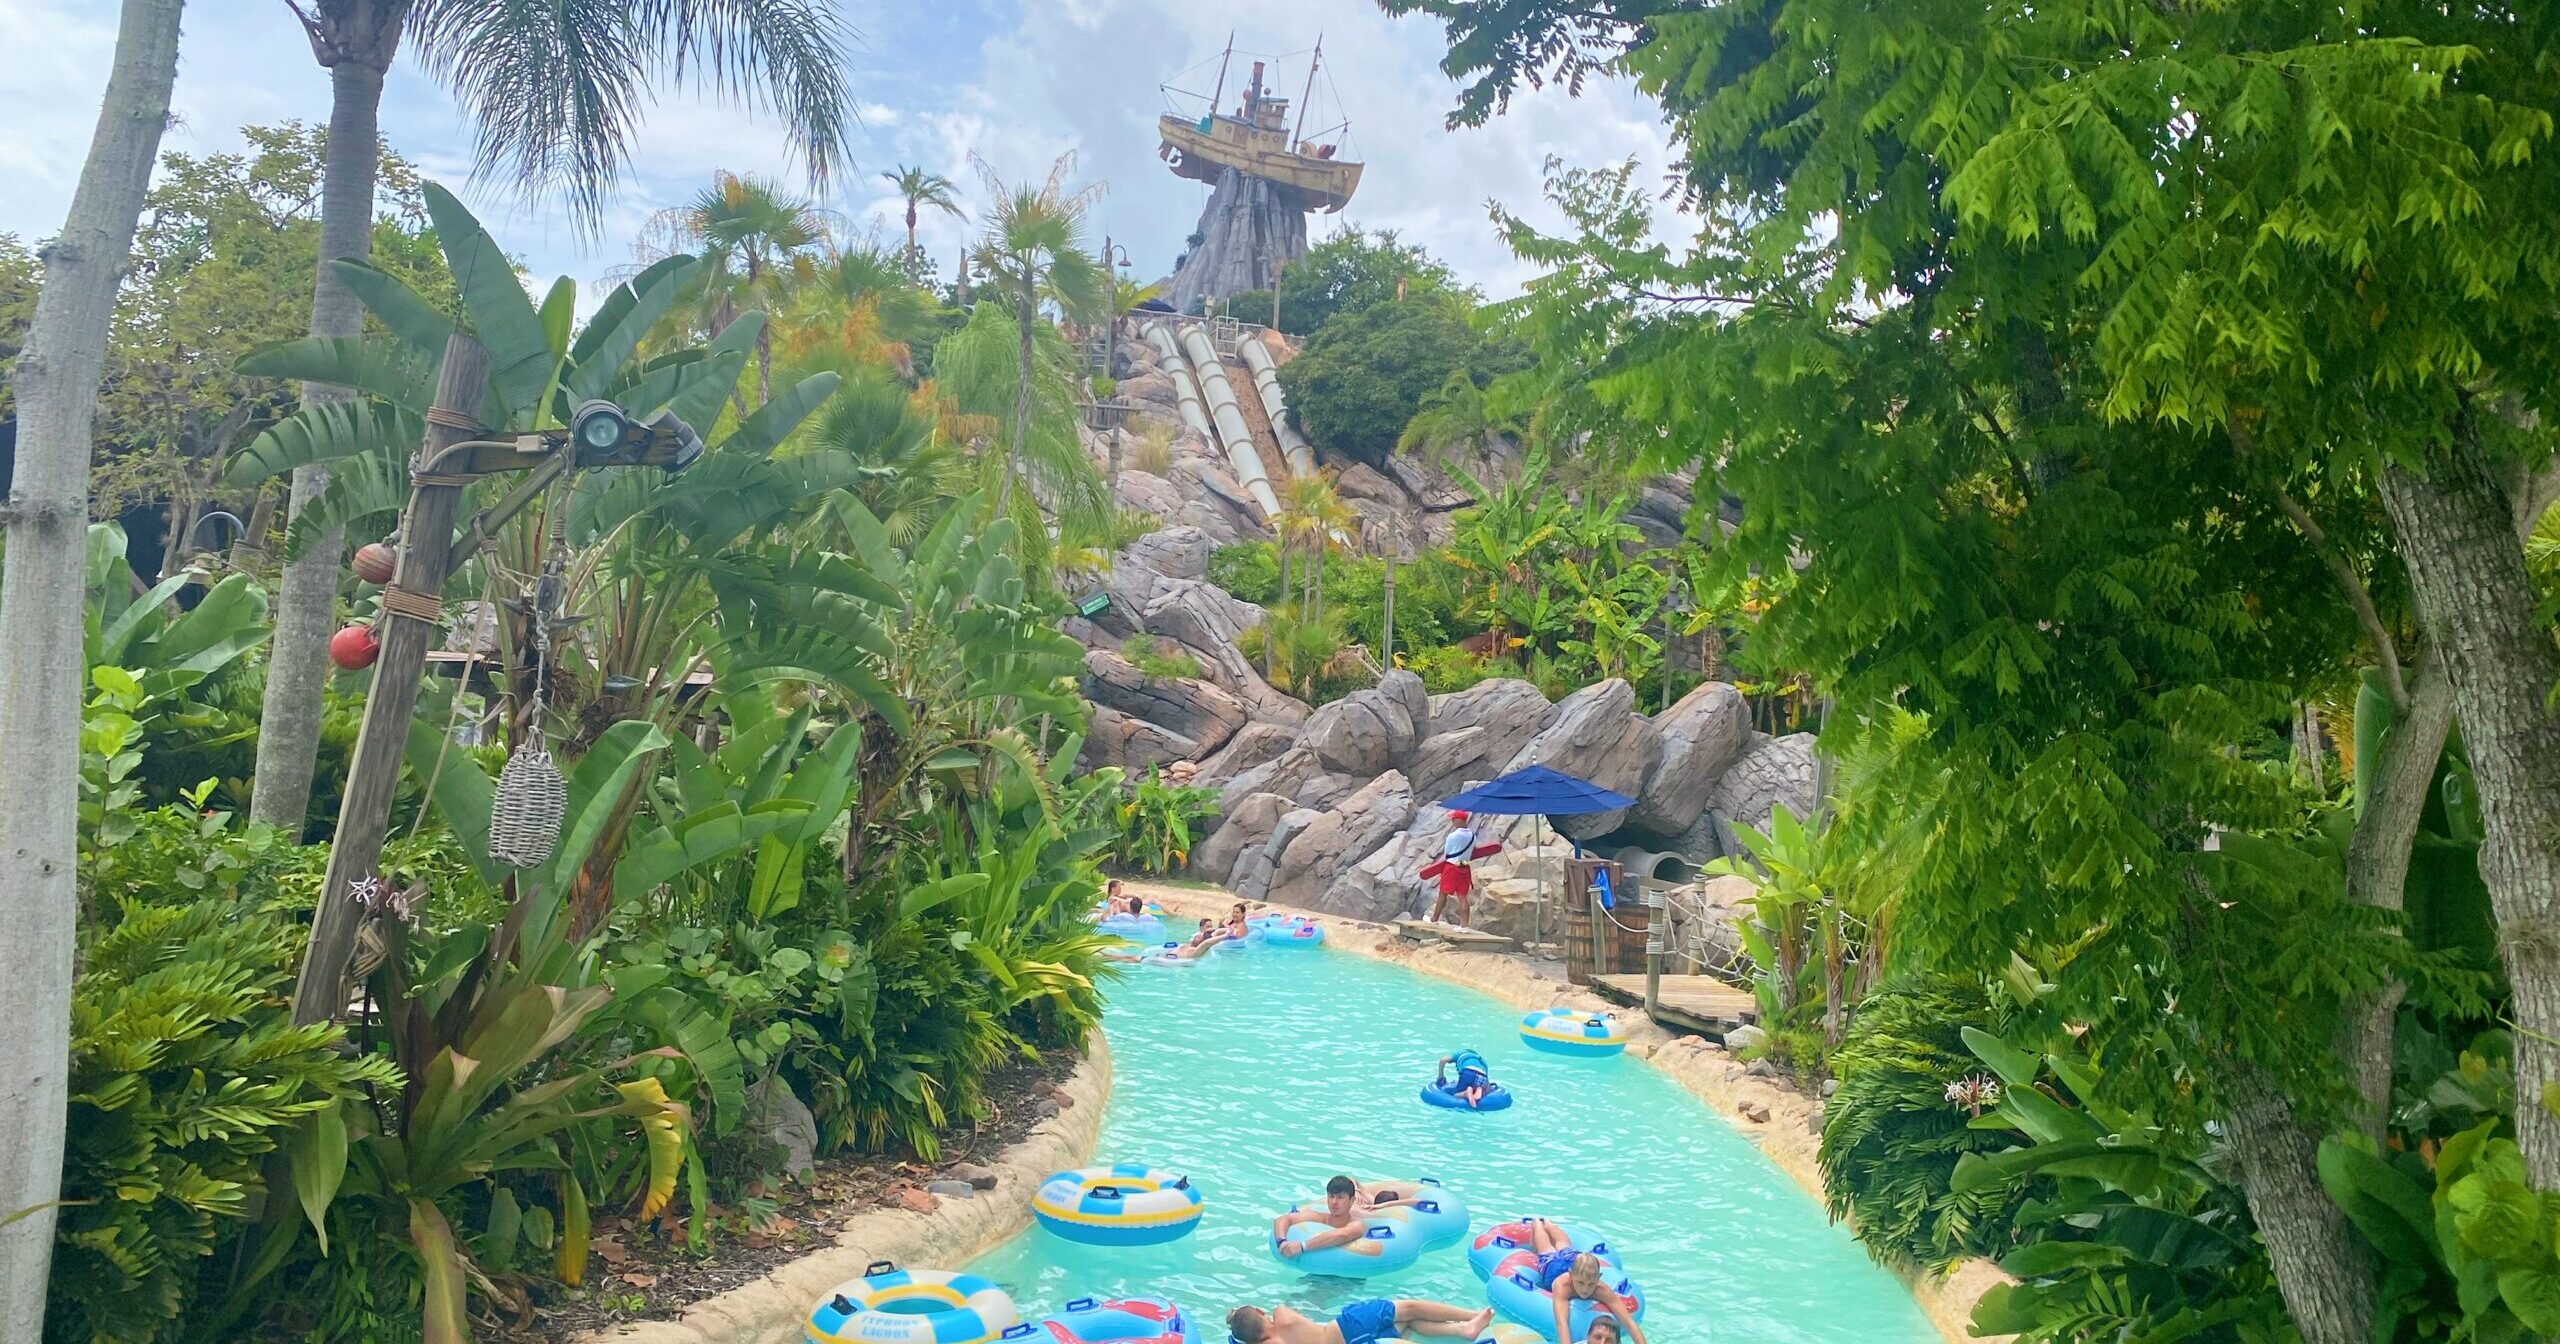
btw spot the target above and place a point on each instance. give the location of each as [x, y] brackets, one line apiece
[307, 596]
[1270, 668]
[1025, 316]
[40, 675]
[911, 232]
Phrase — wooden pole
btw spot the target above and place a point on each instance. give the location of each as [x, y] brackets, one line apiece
[373, 775]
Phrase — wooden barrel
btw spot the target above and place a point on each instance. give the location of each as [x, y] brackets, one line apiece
[1627, 927]
[1578, 951]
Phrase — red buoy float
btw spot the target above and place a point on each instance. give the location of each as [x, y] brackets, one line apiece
[354, 648]
[375, 562]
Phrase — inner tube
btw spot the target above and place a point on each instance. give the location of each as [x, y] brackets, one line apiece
[1497, 1244]
[1504, 1332]
[1125, 1205]
[1390, 1243]
[1566, 1031]
[1135, 928]
[1514, 1292]
[889, 1305]
[1445, 1095]
[1124, 1320]
[1170, 954]
[1303, 933]
[1438, 1215]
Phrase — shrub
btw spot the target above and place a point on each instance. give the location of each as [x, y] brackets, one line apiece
[1152, 448]
[1450, 668]
[1891, 1137]
[1155, 823]
[186, 1071]
[1155, 658]
[1248, 569]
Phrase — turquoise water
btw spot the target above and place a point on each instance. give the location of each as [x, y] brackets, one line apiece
[1260, 1074]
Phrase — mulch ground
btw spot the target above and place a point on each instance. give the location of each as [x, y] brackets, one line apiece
[647, 1273]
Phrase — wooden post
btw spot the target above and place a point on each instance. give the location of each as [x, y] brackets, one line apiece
[373, 775]
[1655, 926]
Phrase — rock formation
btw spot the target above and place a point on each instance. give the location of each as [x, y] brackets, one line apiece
[1248, 232]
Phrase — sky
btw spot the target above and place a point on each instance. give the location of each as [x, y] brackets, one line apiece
[945, 84]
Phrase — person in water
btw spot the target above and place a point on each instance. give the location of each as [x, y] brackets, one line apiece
[1359, 1323]
[1571, 1276]
[1207, 938]
[1604, 1330]
[1341, 1217]
[1474, 1080]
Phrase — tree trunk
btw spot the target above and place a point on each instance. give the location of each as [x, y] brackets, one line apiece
[2457, 533]
[1021, 402]
[2391, 792]
[2321, 1265]
[307, 596]
[40, 673]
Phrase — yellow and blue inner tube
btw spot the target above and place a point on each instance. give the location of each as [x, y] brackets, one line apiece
[1567, 1031]
[889, 1305]
[1123, 1205]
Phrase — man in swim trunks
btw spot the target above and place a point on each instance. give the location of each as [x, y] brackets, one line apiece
[1456, 867]
[1343, 1224]
[1359, 1323]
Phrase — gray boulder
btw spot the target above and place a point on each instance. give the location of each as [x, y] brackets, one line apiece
[1475, 733]
[1252, 879]
[1701, 735]
[1388, 882]
[1185, 706]
[1501, 701]
[1367, 731]
[1114, 738]
[1325, 789]
[1283, 774]
[1176, 552]
[778, 1127]
[1597, 736]
[1771, 770]
[1252, 745]
[1246, 826]
[1307, 862]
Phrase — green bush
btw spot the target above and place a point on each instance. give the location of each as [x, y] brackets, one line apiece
[186, 1072]
[1891, 1136]
[1154, 823]
[1158, 658]
[1249, 570]
[1365, 372]
[1450, 668]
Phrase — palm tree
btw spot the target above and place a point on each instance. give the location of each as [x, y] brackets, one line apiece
[41, 588]
[919, 188]
[1033, 257]
[1315, 518]
[759, 242]
[553, 90]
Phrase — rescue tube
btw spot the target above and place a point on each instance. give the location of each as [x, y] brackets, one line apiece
[1565, 1031]
[1497, 1243]
[1125, 1205]
[1514, 1292]
[1126, 1320]
[889, 1305]
[1445, 1095]
[1390, 1243]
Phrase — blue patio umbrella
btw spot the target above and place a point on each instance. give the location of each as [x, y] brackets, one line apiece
[1538, 791]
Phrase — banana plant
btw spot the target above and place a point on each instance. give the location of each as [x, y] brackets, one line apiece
[167, 649]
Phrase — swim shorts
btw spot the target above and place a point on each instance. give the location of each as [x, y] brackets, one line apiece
[1365, 1322]
[1555, 1265]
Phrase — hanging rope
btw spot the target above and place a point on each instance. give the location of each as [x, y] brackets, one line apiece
[531, 799]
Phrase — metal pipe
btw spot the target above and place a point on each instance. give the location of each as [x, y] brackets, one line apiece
[1266, 380]
[1235, 434]
[1186, 393]
[1662, 866]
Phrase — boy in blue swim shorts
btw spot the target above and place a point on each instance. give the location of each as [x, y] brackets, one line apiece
[1359, 1323]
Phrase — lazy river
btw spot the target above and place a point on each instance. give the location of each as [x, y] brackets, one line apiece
[1259, 1074]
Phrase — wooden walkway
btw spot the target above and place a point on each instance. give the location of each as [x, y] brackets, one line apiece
[1699, 1003]
[1471, 940]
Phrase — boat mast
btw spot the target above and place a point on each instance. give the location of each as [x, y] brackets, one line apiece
[1222, 73]
[1312, 63]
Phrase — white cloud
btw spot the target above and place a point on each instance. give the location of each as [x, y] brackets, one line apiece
[1012, 84]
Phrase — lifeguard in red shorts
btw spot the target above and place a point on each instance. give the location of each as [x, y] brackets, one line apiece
[1456, 867]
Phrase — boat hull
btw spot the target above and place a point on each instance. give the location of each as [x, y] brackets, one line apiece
[1308, 182]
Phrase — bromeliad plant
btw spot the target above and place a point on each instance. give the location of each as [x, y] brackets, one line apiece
[1155, 822]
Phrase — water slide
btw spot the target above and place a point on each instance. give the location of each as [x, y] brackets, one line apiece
[1193, 362]
[1266, 380]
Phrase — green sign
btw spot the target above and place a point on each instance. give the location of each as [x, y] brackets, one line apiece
[1094, 605]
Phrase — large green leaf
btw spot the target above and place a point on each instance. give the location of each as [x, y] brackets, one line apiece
[703, 1039]
[698, 397]
[398, 307]
[374, 365]
[773, 422]
[447, 1315]
[611, 336]
[2392, 1210]
[596, 786]
[365, 496]
[318, 1157]
[520, 355]
[669, 852]
[322, 432]
[454, 783]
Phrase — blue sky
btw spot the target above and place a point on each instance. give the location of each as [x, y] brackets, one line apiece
[941, 81]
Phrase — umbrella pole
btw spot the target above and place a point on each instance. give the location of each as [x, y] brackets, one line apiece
[1538, 912]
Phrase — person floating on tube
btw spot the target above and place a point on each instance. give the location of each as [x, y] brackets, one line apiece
[1456, 866]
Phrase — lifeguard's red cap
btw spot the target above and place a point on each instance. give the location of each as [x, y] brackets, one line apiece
[1457, 814]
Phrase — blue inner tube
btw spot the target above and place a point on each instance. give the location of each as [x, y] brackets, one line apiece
[1445, 1095]
[1390, 1244]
